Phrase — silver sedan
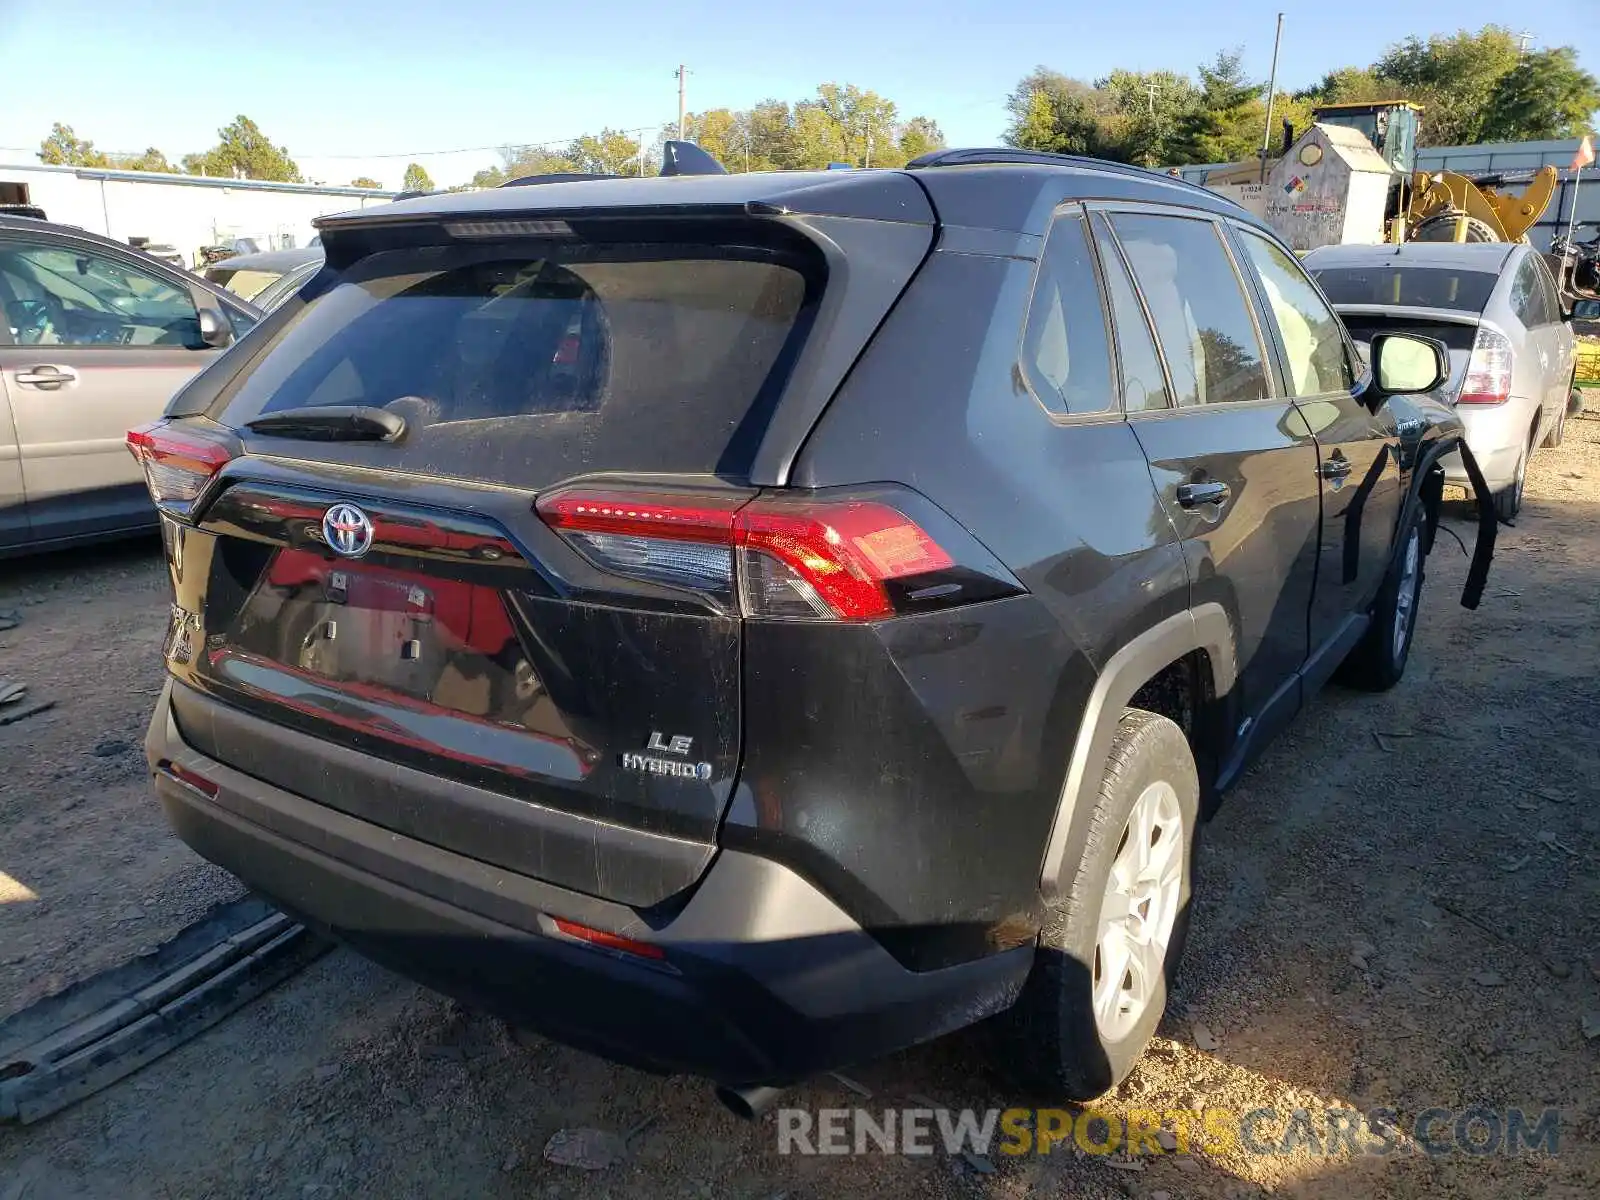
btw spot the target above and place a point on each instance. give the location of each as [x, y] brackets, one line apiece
[1496, 307]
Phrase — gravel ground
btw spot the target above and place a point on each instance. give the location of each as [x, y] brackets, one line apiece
[77, 826]
[1396, 908]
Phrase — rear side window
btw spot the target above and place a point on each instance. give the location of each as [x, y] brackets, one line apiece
[1144, 385]
[1547, 286]
[1199, 307]
[1313, 341]
[1527, 299]
[525, 366]
[1065, 353]
[1408, 287]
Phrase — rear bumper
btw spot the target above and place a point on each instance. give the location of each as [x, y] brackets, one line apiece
[764, 981]
[1497, 436]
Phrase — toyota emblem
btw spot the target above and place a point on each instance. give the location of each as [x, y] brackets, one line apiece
[347, 530]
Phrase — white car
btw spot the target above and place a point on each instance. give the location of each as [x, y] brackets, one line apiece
[1496, 308]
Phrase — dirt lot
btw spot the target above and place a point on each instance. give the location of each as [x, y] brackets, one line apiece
[1397, 908]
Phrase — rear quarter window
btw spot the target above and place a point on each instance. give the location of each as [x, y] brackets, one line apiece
[524, 366]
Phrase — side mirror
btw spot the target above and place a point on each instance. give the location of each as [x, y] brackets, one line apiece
[1404, 365]
[214, 329]
[1584, 310]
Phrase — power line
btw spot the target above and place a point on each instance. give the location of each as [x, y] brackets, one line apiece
[498, 146]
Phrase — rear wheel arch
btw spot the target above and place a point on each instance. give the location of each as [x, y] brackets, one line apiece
[1203, 635]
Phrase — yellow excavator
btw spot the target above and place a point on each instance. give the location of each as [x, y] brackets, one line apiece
[1447, 207]
[1440, 206]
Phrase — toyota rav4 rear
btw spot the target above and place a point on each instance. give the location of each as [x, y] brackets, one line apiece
[489, 589]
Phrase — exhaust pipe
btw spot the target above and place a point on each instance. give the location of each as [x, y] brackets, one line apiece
[748, 1103]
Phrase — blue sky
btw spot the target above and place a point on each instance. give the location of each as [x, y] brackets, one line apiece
[340, 83]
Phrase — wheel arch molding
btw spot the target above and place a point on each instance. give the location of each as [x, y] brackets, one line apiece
[1205, 627]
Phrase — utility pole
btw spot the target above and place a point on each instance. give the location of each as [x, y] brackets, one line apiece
[683, 111]
[1272, 92]
[1523, 39]
[1150, 90]
[641, 152]
[868, 162]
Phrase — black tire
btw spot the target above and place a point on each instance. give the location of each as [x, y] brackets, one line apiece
[1378, 660]
[1508, 500]
[1557, 432]
[1050, 1043]
[1575, 402]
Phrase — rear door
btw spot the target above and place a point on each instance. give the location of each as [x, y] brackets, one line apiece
[99, 344]
[1540, 359]
[1563, 346]
[13, 500]
[1234, 466]
[1358, 449]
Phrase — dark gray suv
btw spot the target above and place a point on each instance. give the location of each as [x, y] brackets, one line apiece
[746, 624]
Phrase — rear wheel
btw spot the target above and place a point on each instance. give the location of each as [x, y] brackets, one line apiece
[1099, 982]
[1558, 431]
[1379, 659]
[1508, 500]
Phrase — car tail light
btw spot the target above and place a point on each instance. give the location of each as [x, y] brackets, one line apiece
[806, 560]
[1488, 379]
[177, 466]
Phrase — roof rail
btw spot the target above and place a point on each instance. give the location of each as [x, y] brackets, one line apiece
[1042, 158]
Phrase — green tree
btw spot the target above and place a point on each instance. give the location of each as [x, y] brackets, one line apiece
[363, 181]
[244, 152]
[1453, 77]
[609, 152]
[1546, 95]
[416, 179]
[1228, 119]
[1349, 85]
[1061, 115]
[770, 128]
[64, 148]
[720, 133]
[151, 160]
[919, 136]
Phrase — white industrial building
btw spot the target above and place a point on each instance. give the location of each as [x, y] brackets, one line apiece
[183, 211]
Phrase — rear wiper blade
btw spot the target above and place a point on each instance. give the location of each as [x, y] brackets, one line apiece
[331, 423]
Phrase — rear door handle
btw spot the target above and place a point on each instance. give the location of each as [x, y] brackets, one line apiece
[1212, 491]
[1335, 468]
[47, 376]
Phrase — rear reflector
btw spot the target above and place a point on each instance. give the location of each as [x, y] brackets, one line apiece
[607, 941]
[1488, 378]
[185, 776]
[177, 466]
[807, 560]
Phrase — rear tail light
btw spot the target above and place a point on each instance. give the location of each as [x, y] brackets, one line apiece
[811, 560]
[1488, 379]
[177, 466]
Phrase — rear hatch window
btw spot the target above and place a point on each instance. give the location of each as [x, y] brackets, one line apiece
[1409, 287]
[523, 365]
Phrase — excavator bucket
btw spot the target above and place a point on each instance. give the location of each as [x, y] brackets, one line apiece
[1446, 206]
